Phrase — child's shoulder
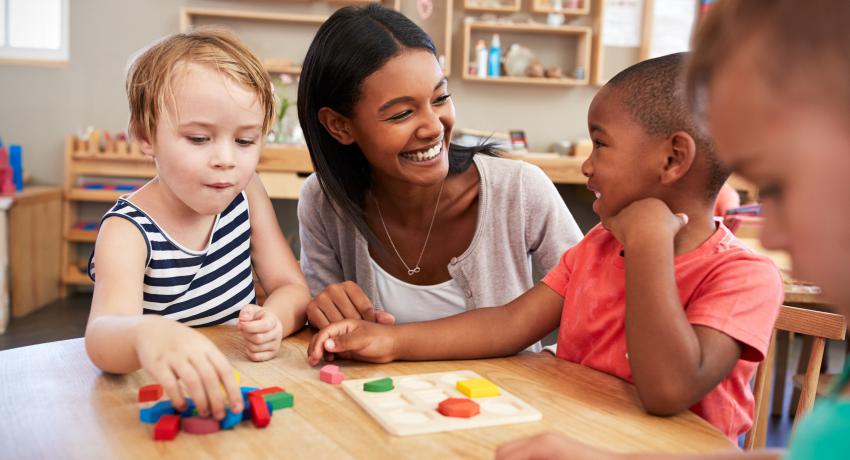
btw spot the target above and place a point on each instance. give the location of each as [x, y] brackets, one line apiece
[598, 242]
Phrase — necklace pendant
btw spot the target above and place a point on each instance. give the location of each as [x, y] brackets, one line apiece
[413, 271]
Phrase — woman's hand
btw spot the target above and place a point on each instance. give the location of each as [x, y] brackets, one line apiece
[344, 301]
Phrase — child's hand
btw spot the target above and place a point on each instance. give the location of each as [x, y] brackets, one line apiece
[355, 339]
[172, 352]
[550, 446]
[344, 301]
[262, 332]
[646, 218]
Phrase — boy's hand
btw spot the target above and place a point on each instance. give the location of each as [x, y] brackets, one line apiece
[646, 218]
[355, 339]
[172, 353]
[550, 446]
[344, 301]
[262, 332]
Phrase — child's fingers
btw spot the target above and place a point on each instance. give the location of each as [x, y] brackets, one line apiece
[317, 344]
[262, 323]
[191, 380]
[212, 385]
[226, 374]
[262, 356]
[248, 312]
[261, 338]
[163, 374]
[258, 347]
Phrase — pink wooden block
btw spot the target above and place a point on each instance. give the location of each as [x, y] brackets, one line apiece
[200, 425]
[331, 374]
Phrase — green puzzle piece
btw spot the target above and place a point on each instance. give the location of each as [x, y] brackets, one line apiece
[379, 386]
[280, 400]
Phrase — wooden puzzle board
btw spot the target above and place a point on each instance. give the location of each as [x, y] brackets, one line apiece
[411, 406]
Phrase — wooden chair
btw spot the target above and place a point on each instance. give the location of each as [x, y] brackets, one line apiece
[820, 326]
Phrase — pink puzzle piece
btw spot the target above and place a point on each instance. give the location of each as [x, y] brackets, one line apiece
[331, 374]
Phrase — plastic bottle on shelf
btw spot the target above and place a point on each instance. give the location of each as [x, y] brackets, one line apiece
[481, 58]
[494, 68]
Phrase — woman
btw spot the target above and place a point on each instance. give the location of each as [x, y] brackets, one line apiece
[398, 223]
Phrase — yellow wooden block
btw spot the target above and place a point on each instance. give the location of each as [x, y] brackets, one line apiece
[477, 388]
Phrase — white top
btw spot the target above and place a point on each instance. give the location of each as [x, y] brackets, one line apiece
[410, 302]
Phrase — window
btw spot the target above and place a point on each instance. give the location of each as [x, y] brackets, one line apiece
[34, 30]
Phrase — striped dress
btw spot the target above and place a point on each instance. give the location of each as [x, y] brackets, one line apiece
[198, 288]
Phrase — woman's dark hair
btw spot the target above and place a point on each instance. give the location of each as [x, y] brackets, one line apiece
[351, 45]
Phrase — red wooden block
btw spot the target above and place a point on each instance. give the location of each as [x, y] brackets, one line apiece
[265, 391]
[200, 425]
[459, 407]
[259, 411]
[150, 392]
[166, 428]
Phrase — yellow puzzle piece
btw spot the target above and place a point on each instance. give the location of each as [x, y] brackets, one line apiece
[477, 388]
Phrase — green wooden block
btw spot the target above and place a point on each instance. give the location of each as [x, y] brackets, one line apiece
[379, 386]
[280, 400]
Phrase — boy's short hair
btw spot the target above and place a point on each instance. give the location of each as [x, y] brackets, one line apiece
[653, 92]
[807, 43]
[152, 73]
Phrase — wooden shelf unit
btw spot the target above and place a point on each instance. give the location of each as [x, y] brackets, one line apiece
[84, 159]
[476, 6]
[545, 7]
[282, 168]
[581, 34]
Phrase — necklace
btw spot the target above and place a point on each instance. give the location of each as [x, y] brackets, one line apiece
[415, 269]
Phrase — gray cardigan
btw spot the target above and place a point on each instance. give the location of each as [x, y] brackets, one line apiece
[522, 220]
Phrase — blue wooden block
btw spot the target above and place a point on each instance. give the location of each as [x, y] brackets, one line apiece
[125, 188]
[246, 413]
[91, 226]
[94, 186]
[153, 413]
[230, 420]
[190, 407]
[246, 390]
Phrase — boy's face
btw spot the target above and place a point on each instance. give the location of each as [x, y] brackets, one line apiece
[624, 164]
[208, 143]
[403, 121]
[798, 152]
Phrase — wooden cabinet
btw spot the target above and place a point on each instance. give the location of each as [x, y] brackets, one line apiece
[35, 236]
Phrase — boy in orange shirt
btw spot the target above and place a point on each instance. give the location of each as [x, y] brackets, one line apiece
[659, 294]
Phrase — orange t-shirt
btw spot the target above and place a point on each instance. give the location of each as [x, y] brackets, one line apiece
[722, 285]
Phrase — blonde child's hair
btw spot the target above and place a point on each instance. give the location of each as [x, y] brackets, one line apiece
[800, 42]
[151, 76]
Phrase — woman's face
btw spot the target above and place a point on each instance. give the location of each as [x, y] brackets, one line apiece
[404, 118]
[796, 147]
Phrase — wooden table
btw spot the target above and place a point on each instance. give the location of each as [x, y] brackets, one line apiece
[54, 403]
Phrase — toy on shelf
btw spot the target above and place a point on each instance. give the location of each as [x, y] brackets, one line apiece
[430, 403]
[7, 184]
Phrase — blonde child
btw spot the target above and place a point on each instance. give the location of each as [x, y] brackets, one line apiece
[773, 76]
[653, 295]
[182, 250]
